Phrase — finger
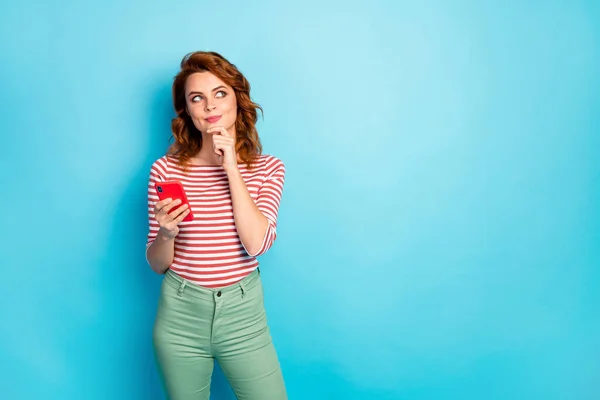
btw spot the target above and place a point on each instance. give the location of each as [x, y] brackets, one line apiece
[179, 210]
[215, 130]
[221, 134]
[181, 216]
[170, 205]
[225, 146]
[223, 141]
[177, 213]
[160, 204]
[218, 148]
[226, 133]
[171, 216]
[219, 131]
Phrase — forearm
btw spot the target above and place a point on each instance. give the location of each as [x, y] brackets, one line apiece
[161, 252]
[250, 222]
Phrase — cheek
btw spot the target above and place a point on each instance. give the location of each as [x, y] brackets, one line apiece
[232, 109]
[195, 112]
[197, 118]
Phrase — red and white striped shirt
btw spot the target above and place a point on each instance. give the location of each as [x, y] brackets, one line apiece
[208, 250]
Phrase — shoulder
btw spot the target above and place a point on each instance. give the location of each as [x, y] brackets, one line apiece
[162, 165]
[270, 164]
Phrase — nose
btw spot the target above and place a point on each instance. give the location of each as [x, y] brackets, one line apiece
[209, 106]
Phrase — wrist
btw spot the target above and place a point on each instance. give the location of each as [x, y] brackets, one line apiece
[231, 170]
[164, 236]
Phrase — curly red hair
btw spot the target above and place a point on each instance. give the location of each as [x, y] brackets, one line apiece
[187, 138]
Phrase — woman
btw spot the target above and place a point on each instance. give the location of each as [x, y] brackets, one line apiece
[211, 302]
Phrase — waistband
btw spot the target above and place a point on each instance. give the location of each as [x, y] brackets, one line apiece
[195, 290]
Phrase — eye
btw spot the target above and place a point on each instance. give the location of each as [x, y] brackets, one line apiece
[196, 98]
[221, 92]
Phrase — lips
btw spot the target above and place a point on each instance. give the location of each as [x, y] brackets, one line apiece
[213, 119]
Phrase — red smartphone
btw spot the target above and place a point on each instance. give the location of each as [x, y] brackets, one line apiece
[173, 190]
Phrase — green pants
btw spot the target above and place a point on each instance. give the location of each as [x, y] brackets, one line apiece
[195, 325]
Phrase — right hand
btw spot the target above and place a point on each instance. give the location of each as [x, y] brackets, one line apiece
[169, 221]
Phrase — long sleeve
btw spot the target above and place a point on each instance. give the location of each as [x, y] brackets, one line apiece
[157, 174]
[268, 200]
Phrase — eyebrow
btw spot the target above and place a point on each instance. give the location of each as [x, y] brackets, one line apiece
[215, 89]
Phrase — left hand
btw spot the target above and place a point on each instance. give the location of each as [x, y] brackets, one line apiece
[224, 146]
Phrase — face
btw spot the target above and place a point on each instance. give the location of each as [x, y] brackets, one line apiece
[210, 102]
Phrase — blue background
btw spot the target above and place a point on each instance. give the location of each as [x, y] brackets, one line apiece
[439, 235]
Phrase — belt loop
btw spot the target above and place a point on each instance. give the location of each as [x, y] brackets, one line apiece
[243, 288]
[181, 287]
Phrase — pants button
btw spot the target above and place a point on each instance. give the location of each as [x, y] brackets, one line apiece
[219, 293]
